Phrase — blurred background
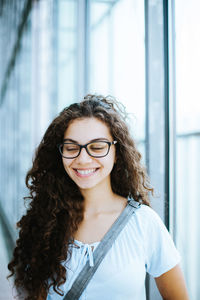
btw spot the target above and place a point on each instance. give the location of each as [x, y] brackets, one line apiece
[147, 55]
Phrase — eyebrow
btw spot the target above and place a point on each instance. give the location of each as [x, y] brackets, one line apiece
[93, 140]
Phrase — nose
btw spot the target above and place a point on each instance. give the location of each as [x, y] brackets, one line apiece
[84, 157]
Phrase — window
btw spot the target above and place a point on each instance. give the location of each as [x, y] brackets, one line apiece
[117, 56]
[187, 64]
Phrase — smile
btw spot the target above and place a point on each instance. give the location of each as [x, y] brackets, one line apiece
[85, 172]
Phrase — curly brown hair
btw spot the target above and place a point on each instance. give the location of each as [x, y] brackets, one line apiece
[55, 202]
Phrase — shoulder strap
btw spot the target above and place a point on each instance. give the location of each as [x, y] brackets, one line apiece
[100, 252]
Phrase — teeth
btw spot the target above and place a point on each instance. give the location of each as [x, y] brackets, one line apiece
[85, 172]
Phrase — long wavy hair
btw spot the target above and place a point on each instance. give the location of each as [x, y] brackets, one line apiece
[55, 204]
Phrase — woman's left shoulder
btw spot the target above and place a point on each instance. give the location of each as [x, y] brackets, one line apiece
[147, 213]
[149, 222]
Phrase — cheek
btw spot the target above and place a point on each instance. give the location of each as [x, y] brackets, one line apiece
[66, 165]
[109, 164]
[113, 158]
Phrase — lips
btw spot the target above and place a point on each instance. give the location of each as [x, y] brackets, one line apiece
[85, 172]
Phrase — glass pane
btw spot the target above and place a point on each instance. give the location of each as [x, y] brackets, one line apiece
[188, 139]
[15, 128]
[187, 212]
[187, 65]
[117, 56]
[67, 52]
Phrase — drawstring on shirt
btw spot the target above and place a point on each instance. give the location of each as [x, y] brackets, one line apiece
[87, 250]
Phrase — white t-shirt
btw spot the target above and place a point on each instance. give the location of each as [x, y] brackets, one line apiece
[144, 245]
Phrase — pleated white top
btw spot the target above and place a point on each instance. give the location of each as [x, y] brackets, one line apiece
[144, 245]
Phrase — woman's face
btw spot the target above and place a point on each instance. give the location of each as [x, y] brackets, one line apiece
[87, 171]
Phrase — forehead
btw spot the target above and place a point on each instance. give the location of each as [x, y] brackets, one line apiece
[87, 129]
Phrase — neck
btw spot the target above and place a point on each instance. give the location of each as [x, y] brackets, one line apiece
[98, 199]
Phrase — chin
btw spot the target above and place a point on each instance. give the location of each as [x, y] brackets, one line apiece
[86, 186]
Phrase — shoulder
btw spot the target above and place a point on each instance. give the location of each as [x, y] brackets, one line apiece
[149, 225]
[144, 223]
[147, 211]
[147, 216]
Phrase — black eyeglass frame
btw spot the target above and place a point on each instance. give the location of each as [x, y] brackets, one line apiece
[85, 146]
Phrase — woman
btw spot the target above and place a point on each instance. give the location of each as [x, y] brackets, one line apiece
[84, 170]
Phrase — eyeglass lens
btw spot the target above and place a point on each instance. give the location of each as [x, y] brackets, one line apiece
[94, 149]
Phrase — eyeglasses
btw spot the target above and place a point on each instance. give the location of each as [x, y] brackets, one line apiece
[94, 149]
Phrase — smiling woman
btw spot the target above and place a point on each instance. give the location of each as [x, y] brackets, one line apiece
[86, 176]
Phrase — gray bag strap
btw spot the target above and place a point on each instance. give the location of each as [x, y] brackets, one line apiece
[100, 252]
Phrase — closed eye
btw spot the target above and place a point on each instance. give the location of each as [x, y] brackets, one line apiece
[70, 147]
